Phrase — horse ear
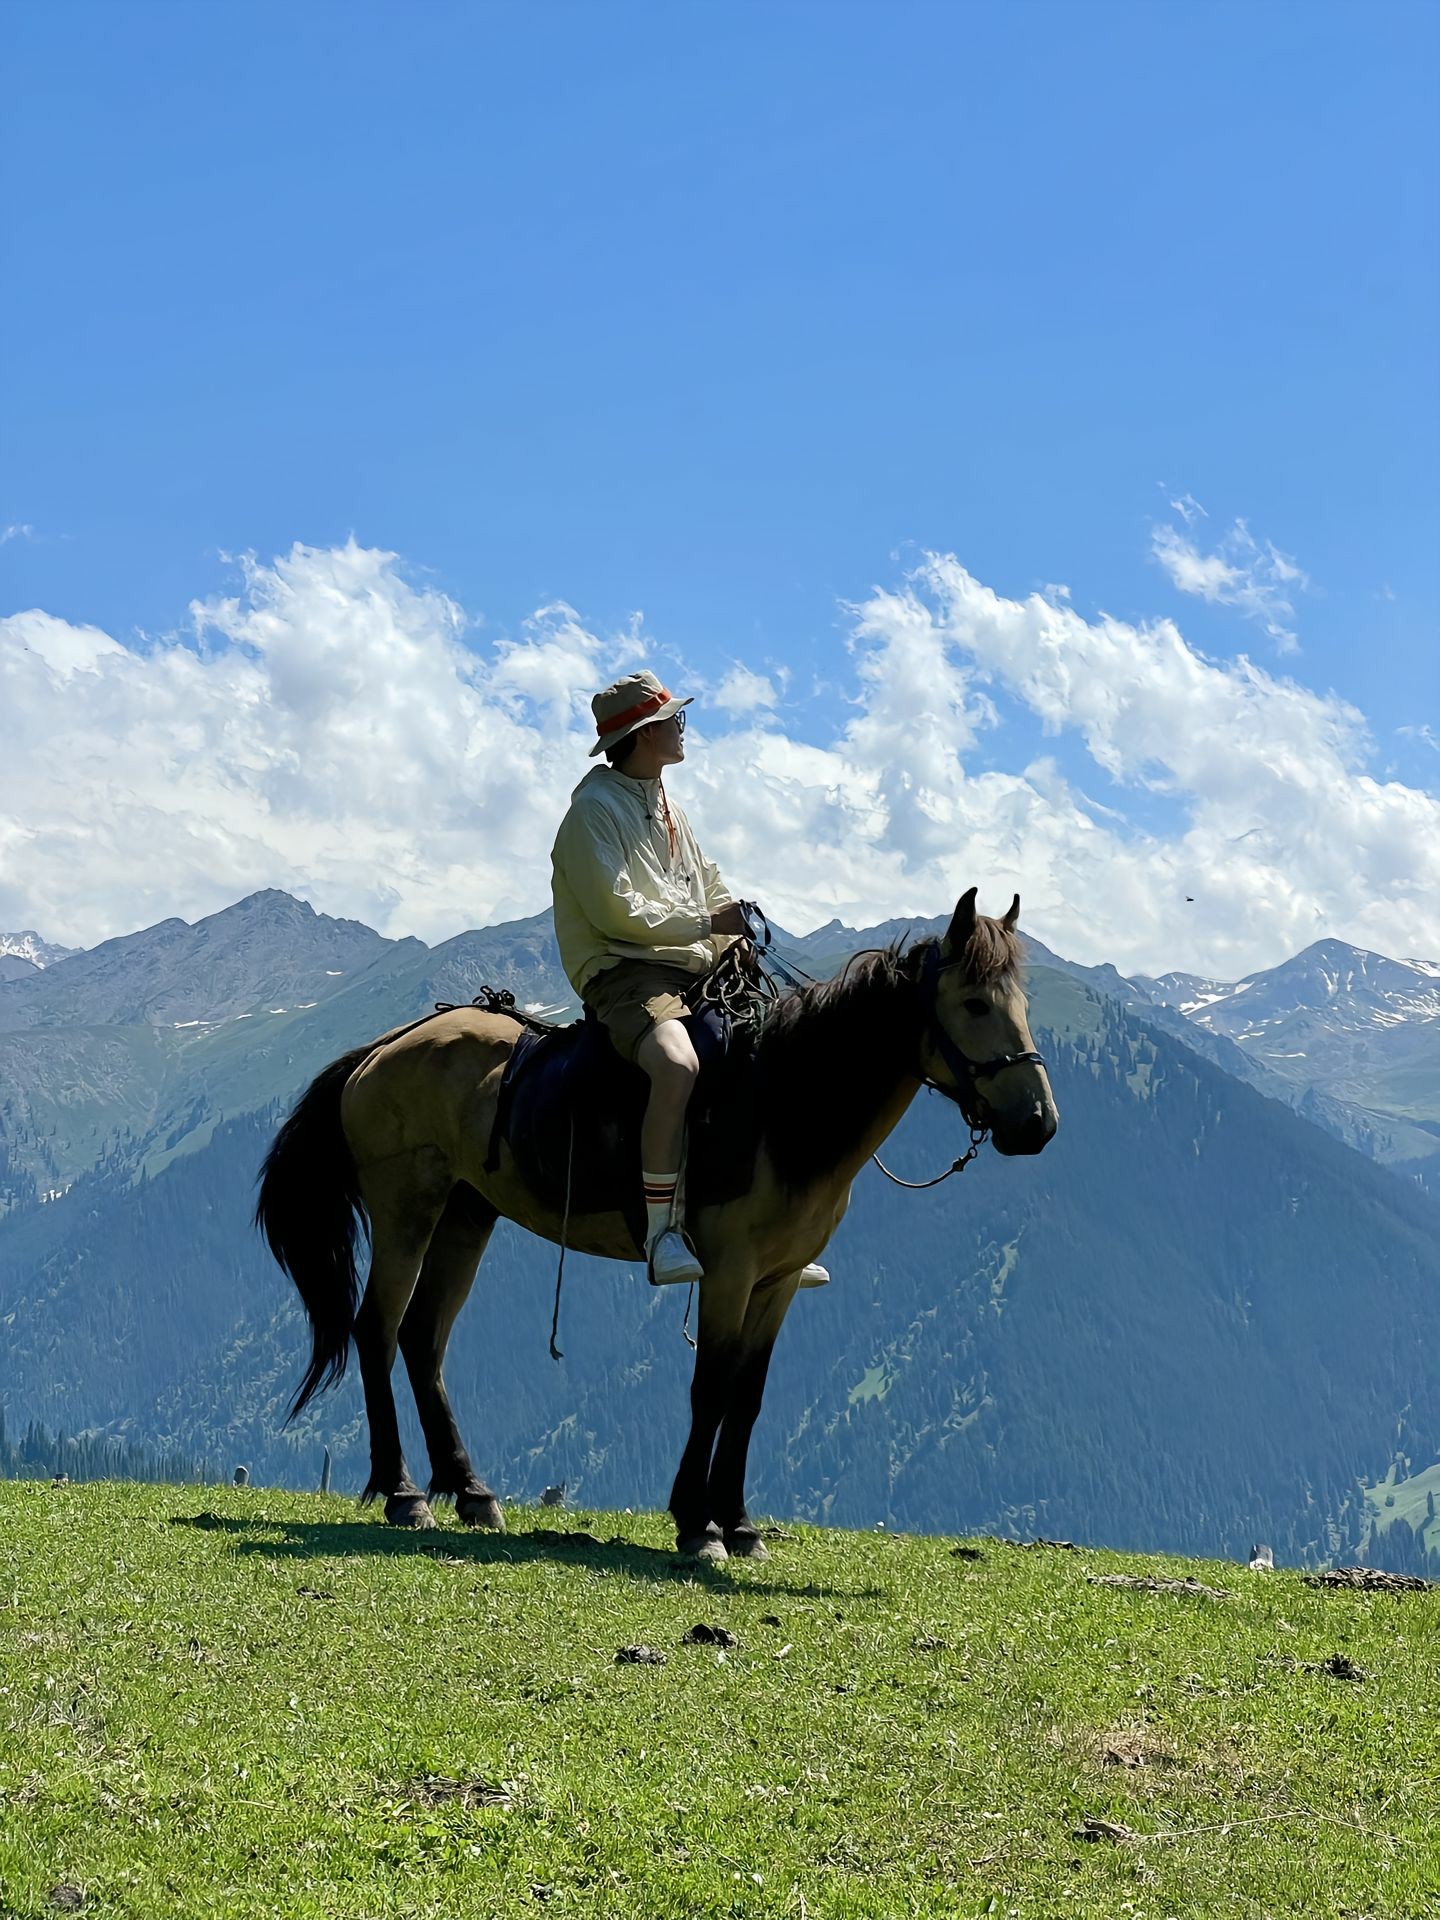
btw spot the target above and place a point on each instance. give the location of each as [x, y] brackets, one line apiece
[1012, 916]
[962, 925]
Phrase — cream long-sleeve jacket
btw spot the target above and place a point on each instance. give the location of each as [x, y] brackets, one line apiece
[619, 894]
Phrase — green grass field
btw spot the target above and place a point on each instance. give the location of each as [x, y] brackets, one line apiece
[226, 1703]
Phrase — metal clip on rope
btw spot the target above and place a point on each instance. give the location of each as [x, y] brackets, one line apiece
[978, 1137]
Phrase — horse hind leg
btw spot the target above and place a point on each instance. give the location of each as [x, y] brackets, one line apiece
[404, 1199]
[456, 1249]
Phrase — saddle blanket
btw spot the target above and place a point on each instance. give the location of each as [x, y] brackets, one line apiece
[562, 1073]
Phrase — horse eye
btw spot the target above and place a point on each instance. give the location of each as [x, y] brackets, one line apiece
[977, 1007]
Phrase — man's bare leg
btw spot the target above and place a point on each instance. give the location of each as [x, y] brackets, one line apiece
[667, 1057]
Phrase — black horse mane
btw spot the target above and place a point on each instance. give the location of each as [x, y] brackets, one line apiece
[830, 1054]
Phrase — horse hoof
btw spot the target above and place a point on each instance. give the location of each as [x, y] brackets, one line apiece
[707, 1547]
[480, 1510]
[408, 1510]
[746, 1544]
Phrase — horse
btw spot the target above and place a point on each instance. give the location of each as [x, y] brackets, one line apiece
[398, 1133]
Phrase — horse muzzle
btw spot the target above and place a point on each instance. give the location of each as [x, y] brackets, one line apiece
[1027, 1132]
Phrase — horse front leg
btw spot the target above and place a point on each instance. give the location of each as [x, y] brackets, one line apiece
[723, 1303]
[769, 1304]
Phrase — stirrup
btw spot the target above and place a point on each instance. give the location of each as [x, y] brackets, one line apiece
[683, 1267]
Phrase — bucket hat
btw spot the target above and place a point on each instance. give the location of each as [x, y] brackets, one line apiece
[639, 700]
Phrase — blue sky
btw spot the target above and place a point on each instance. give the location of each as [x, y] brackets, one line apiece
[731, 314]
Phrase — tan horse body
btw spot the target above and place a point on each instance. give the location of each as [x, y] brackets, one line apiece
[416, 1112]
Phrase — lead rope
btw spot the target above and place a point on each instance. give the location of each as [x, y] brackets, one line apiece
[555, 1353]
[978, 1137]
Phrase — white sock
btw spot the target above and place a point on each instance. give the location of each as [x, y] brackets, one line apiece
[659, 1203]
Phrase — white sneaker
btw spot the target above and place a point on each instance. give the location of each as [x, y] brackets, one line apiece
[671, 1260]
[813, 1276]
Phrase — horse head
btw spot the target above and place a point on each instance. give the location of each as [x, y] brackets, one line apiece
[977, 1046]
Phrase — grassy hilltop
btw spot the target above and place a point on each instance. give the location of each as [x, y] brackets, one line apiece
[243, 1703]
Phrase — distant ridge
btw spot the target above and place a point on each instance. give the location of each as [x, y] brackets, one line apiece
[1352, 1036]
[267, 947]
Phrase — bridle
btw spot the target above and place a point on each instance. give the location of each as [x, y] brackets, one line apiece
[966, 1095]
[964, 1070]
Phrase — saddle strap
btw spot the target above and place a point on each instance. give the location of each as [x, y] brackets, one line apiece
[555, 1353]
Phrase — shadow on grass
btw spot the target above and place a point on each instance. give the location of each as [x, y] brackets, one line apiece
[305, 1540]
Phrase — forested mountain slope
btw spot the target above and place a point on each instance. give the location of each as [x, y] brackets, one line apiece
[1194, 1321]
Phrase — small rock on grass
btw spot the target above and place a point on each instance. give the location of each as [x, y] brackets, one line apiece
[1115, 1830]
[640, 1657]
[66, 1899]
[966, 1553]
[702, 1636]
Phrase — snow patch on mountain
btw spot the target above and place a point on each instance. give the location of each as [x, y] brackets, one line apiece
[30, 947]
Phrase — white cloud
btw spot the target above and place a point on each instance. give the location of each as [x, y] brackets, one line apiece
[743, 691]
[1239, 572]
[338, 730]
[1188, 508]
[18, 530]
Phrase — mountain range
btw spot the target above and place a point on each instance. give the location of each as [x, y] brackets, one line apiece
[1196, 1318]
[1355, 1038]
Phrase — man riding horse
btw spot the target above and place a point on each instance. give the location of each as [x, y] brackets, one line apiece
[404, 1134]
[640, 917]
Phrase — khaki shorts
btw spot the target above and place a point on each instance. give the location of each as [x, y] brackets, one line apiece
[633, 997]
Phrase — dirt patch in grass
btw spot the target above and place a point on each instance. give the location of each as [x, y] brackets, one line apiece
[436, 1789]
[1153, 1759]
[1370, 1580]
[1149, 1583]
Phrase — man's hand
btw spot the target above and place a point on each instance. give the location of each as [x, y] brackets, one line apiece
[729, 919]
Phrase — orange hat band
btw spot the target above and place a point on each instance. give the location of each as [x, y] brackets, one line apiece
[631, 714]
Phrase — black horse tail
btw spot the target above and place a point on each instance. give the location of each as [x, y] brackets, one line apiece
[308, 1208]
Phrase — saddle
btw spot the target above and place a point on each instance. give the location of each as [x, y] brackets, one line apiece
[562, 1077]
